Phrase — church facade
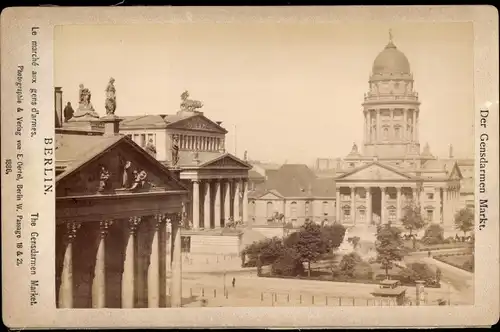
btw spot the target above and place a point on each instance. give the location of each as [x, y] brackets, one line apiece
[391, 170]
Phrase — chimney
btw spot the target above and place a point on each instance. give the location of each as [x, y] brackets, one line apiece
[219, 123]
[58, 107]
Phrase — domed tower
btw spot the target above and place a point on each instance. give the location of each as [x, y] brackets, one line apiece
[391, 108]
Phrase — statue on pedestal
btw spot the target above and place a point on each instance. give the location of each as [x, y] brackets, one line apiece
[175, 150]
[150, 148]
[110, 97]
[85, 107]
[103, 179]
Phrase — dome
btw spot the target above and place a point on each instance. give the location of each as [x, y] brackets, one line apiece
[391, 61]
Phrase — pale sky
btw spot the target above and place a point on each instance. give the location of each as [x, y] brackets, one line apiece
[293, 91]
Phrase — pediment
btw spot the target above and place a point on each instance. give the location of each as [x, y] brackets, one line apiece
[455, 173]
[271, 195]
[374, 172]
[122, 168]
[226, 161]
[198, 123]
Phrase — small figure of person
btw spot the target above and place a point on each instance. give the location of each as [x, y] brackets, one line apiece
[234, 281]
[429, 254]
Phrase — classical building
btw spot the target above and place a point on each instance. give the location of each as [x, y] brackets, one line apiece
[391, 169]
[189, 143]
[292, 194]
[118, 215]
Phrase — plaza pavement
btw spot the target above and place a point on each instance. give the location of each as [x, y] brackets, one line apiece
[251, 290]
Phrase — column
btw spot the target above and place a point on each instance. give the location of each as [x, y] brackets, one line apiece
[369, 208]
[337, 205]
[176, 293]
[414, 113]
[353, 205]
[416, 126]
[437, 205]
[66, 287]
[405, 126]
[245, 201]
[168, 256]
[206, 205]
[366, 127]
[236, 202]
[227, 202]
[383, 211]
[378, 125]
[99, 282]
[391, 133]
[128, 277]
[398, 204]
[154, 265]
[217, 206]
[196, 204]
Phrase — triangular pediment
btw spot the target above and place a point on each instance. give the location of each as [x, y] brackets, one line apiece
[198, 123]
[226, 161]
[120, 168]
[455, 173]
[271, 195]
[375, 172]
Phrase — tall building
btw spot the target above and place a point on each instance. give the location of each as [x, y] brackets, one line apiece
[391, 170]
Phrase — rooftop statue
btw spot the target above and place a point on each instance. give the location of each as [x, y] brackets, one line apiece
[85, 106]
[354, 148]
[189, 104]
[110, 97]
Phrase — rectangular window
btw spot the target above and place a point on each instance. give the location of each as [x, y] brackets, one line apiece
[430, 215]
[430, 196]
[143, 140]
[185, 243]
[361, 215]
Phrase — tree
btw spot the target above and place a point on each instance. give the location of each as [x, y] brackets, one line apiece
[434, 234]
[310, 243]
[389, 246]
[333, 235]
[464, 220]
[412, 218]
[268, 249]
[288, 263]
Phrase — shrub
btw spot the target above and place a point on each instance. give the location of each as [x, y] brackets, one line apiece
[348, 264]
[469, 265]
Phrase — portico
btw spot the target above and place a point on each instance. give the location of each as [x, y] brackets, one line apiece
[373, 203]
[219, 190]
[378, 193]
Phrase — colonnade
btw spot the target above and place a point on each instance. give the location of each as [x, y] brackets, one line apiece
[200, 143]
[444, 203]
[385, 201]
[130, 277]
[223, 198]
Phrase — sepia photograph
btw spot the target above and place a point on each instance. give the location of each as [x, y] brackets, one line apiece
[293, 164]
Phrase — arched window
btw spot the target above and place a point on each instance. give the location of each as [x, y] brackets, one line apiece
[325, 208]
[269, 210]
[385, 132]
[293, 210]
